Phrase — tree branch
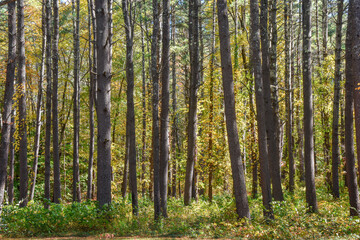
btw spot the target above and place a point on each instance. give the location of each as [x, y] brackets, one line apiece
[6, 2]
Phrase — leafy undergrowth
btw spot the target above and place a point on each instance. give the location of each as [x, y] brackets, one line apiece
[200, 220]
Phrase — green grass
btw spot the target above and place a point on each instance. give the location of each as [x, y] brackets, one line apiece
[200, 220]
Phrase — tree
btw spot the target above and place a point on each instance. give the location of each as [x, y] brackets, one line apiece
[260, 107]
[7, 105]
[194, 85]
[55, 122]
[155, 107]
[336, 103]
[242, 206]
[21, 95]
[103, 104]
[165, 102]
[76, 113]
[130, 115]
[352, 69]
[273, 156]
[308, 110]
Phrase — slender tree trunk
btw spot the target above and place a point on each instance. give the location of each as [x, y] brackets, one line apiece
[194, 82]
[155, 107]
[174, 131]
[308, 110]
[38, 107]
[242, 206]
[76, 113]
[165, 102]
[352, 69]
[336, 103]
[260, 107]
[130, 115]
[288, 88]
[273, 156]
[48, 105]
[92, 69]
[325, 24]
[103, 104]
[21, 85]
[8, 96]
[55, 60]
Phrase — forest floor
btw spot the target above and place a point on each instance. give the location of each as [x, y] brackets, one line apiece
[200, 220]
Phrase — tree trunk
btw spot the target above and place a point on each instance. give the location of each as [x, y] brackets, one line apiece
[21, 82]
[8, 96]
[76, 114]
[273, 156]
[194, 82]
[155, 107]
[336, 103]
[48, 105]
[165, 101]
[55, 60]
[103, 104]
[308, 110]
[242, 206]
[38, 107]
[130, 114]
[352, 69]
[260, 107]
[92, 69]
[11, 162]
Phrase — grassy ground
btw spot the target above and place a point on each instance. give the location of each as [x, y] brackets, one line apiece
[200, 220]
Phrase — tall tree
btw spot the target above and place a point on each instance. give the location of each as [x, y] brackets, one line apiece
[21, 93]
[242, 206]
[103, 104]
[165, 102]
[55, 122]
[352, 69]
[127, 9]
[155, 108]
[336, 103]
[260, 107]
[48, 104]
[39, 106]
[273, 156]
[11, 161]
[194, 85]
[308, 110]
[76, 114]
[7, 105]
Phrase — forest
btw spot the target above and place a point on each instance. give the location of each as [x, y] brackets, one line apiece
[236, 119]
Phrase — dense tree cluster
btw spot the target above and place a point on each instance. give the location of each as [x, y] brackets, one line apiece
[221, 96]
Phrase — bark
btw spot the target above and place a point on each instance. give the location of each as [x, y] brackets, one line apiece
[194, 82]
[21, 85]
[92, 69]
[130, 114]
[336, 103]
[325, 27]
[48, 105]
[242, 206]
[352, 69]
[308, 110]
[8, 95]
[103, 104]
[76, 194]
[260, 108]
[174, 131]
[55, 60]
[288, 95]
[273, 152]
[11, 162]
[155, 107]
[165, 105]
[38, 107]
